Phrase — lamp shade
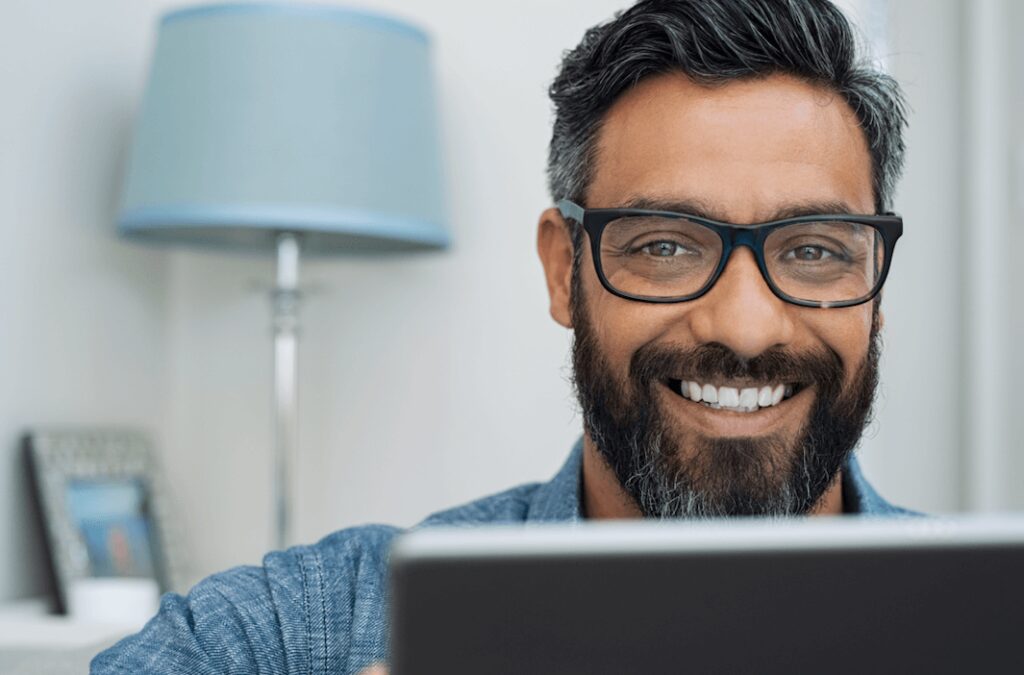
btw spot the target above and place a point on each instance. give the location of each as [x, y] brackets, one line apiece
[266, 118]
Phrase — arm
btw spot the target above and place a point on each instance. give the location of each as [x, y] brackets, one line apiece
[228, 623]
[310, 610]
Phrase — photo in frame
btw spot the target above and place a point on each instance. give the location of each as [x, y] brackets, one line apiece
[103, 508]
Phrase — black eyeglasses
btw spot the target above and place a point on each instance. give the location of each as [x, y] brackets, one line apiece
[834, 260]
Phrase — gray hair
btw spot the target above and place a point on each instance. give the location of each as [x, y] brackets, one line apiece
[713, 42]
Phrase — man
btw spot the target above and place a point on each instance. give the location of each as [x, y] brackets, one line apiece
[724, 366]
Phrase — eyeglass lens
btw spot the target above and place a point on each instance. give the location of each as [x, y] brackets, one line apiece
[662, 257]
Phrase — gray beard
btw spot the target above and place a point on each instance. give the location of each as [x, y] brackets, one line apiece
[661, 492]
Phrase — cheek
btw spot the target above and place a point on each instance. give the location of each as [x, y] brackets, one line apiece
[624, 326]
[616, 323]
[847, 331]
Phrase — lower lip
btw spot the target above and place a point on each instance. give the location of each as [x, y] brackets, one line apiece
[726, 423]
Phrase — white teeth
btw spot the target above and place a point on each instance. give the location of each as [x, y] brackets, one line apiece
[728, 397]
[748, 398]
[778, 393]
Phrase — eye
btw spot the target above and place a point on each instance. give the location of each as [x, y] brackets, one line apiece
[810, 253]
[664, 249]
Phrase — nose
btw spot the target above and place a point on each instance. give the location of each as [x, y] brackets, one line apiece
[740, 311]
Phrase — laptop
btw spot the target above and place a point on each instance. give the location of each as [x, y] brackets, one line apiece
[814, 595]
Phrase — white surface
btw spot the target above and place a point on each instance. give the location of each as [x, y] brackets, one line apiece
[57, 632]
[27, 625]
[112, 601]
[425, 381]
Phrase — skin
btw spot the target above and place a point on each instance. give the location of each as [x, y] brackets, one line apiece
[744, 152]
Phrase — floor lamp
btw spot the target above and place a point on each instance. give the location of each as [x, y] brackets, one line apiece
[291, 129]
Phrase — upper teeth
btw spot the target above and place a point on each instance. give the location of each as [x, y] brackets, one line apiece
[748, 399]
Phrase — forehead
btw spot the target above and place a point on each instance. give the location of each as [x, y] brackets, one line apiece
[744, 150]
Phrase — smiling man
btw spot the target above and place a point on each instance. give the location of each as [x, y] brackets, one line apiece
[720, 172]
[717, 250]
[722, 294]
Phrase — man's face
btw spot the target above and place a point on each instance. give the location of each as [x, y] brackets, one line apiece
[744, 152]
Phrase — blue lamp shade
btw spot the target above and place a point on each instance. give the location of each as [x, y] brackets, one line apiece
[262, 118]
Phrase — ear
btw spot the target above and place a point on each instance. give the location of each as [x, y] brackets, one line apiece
[554, 246]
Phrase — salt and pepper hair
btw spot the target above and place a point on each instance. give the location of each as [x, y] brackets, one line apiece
[715, 42]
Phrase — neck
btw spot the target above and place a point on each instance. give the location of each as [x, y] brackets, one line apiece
[604, 497]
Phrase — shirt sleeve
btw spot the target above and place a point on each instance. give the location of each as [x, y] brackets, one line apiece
[316, 609]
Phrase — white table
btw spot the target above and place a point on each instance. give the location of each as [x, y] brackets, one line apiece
[34, 642]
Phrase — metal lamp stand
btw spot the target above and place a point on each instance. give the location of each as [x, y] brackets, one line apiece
[285, 299]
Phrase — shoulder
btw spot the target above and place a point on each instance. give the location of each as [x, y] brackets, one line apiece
[312, 609]
[861, 497]
[510, 506]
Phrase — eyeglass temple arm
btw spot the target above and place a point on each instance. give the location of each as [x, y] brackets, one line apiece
[571, 210]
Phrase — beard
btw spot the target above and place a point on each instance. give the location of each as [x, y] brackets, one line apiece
[668, 476]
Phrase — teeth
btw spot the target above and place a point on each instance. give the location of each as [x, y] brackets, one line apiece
[728, 397]
[749, 399]
[778, 394]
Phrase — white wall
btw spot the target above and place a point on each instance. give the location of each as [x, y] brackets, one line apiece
[83, 333]
[1014, 485]
[912, 450]
[426, 380]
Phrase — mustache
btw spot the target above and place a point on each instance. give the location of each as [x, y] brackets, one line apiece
[715, 361]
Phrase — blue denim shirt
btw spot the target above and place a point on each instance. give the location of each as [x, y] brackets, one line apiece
[322, 608]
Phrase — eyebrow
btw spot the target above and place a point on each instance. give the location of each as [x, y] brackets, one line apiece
[701, 209]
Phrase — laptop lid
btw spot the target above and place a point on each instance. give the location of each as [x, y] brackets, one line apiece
[818, 595]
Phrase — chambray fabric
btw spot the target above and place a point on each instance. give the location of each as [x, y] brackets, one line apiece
[322, 608]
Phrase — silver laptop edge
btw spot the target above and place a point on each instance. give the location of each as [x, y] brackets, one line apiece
[727, 535]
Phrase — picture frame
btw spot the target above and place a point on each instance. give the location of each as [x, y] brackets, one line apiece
[103, 508]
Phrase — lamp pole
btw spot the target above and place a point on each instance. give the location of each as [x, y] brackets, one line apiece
[285, 299]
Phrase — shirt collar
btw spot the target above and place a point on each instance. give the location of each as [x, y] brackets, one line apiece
[860, 497]
[560, 498]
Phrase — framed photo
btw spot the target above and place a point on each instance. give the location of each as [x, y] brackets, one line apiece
[102, 507]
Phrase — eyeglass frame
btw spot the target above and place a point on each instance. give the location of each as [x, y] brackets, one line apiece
[753, 236]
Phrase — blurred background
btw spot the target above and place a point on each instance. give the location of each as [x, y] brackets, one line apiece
[431, 379]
